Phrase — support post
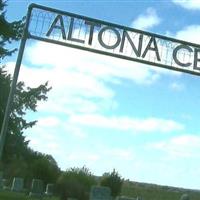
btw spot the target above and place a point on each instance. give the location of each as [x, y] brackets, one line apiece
[4, 127]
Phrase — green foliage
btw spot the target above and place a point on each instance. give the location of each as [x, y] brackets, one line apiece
[18, 159]
[44, 167]
[9, 31]
[112, 180]
[76, 183]
[25, 99]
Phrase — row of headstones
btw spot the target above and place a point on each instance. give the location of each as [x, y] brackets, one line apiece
[104, 193]
[37, 186]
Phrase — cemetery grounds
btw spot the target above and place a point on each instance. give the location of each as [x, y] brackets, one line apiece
[7, 195]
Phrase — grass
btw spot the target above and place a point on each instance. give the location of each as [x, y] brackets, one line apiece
[6, 195]
[129, 189]
[156, 192]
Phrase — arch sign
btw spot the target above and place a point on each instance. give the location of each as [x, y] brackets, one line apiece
[76, 31]
[63, 28]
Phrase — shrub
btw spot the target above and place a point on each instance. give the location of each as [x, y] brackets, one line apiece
[75, 183]
[112, 180]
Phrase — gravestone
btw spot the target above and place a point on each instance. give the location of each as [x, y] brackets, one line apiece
[185, 197]
[37, 188]
[100, 193]
[17, 184]
[5, 184]
[49, 189]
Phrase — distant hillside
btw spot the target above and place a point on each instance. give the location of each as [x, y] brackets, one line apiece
[156, 192]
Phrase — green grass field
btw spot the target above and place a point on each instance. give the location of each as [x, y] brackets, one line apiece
[5, 195]
[129, 189]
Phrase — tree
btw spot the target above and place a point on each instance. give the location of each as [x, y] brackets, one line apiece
[18, 159]
[44, 167]
[8, 32]
[112, 180]
[25, 98]
[75, 183]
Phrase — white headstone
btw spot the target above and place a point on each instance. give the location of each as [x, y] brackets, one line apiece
[185, 197]
[5, 184]
[17, 184]
[49, 189]
[37, 188]
[100, 193]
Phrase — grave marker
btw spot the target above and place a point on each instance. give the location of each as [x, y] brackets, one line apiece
[17, 184]
[49, 189]
[185, 197]
[37, 187]
[5, 184]
[100, 193]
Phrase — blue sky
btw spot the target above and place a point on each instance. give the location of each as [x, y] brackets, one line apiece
[108, 113]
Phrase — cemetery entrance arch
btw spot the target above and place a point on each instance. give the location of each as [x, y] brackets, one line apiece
[76, 31]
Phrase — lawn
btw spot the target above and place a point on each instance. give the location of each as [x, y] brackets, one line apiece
[5, 195]
[146, 191]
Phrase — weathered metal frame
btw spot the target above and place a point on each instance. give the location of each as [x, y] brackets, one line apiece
[27, 35]
[14, 83]
[32, 6]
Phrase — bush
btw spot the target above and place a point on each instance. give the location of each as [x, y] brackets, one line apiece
[112, 180]
[75, 183]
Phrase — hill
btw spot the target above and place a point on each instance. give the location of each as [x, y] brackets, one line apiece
[156, 192]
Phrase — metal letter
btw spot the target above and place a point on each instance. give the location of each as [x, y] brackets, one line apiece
[136, 51]
[69, 37]
[92, 25]
[100, 37]
[175, 52]
[155, 48]
[61, 26]
[196, 59]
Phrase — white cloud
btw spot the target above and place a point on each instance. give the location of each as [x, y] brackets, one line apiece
[186, 146]
[82, 156]
[147, 20]
[188, 4]
[81, 81]
[72, 91]
[125, 154]
[48, 122]
[44, 141]
[189, 33]
[126, 123]
[62, 60]
[177, 86]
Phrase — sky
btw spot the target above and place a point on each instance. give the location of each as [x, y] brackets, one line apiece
[107, 113]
